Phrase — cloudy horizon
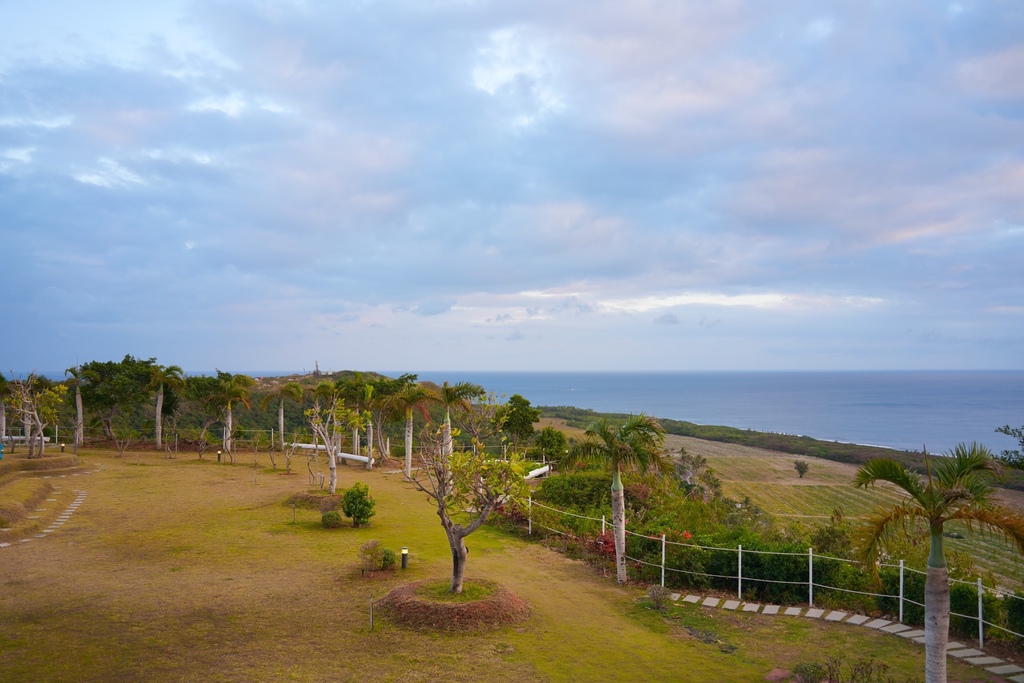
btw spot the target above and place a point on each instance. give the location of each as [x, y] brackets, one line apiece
[461, 185]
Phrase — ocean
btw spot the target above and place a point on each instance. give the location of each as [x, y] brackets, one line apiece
[905, 410]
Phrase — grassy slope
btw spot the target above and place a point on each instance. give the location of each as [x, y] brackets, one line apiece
[181, 570]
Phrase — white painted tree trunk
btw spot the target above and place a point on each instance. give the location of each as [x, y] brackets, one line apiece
[369, 446]
[936, 624]
[159, 422]
[80, 419]
[280, 421]
[619, 526]
[408, 445]
[3, 421]
[228, 419]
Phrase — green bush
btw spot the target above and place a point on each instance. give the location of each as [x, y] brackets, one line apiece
[357, 504]
[578, 490]
[387, 559]
[331, 520]
[1014, 605]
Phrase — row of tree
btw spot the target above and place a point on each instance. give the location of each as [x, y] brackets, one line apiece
[141, 399]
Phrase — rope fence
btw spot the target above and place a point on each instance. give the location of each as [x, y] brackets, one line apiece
[704, 566]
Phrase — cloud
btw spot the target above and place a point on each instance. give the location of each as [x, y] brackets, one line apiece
[667, 319]
[819, 30]
[109, 173]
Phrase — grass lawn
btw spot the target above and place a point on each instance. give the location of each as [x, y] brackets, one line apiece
[180, 570]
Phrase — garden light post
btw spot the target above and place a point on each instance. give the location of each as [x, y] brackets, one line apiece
[405, 557]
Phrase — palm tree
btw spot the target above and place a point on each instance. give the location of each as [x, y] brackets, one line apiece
[455, 396]
[957, 488]
[635, 445]
[233, 389]
[76, 377]
[412, 397]
[292, 390]
[171, 377]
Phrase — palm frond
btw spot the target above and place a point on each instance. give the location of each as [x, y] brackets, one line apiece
[888, 470]
[996, 519]
[881, 528]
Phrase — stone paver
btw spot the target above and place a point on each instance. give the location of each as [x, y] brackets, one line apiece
[969, 655]
[1005, 669]
[675, 597]
[985, 661]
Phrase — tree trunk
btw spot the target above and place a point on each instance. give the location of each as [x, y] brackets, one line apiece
[619, 526]
[936, 612]
[159, 422]
[408, 446]
[280, 421]
[29, 438]
[332, 465]
[447, 447]
[369, 446]
[227, 430]
[80, 424]
[459, 552]
[355, 441]
[3, 421]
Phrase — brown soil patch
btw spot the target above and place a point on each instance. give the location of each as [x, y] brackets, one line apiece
[500, 608]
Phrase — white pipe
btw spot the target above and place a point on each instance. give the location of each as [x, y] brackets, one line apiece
[318, 447]
[538, 472]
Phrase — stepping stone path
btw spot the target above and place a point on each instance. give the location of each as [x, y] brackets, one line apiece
[65, 516]
[959, 650]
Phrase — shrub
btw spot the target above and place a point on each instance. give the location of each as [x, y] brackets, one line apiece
[659, 597]
[331, 520]
[372, 555]
[577, 490]
[808, 672]
[1015, 611]
[388, 558]
[358, 504]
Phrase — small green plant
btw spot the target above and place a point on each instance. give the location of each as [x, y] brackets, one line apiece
[388, 559]
[358, 504]
[659, 596]
[808, 672]
[331, 520]
[801, 467]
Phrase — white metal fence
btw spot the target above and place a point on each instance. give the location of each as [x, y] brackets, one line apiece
[901, 597]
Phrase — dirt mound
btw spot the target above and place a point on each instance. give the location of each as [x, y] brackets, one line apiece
[403, 606]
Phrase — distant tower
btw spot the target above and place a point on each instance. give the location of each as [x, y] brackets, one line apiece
[316, 368]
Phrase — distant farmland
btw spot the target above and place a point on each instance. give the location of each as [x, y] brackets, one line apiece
[770, 481]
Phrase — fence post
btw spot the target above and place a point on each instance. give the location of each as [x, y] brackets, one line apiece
[739, 573]
[981, 614]
[663, 562]
[529, 516]
[901, 591]
[602, 525]
[810, 576]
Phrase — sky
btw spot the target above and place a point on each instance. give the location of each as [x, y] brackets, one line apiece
[513, 185]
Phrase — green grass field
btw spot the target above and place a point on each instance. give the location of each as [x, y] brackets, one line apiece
[192, 571]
